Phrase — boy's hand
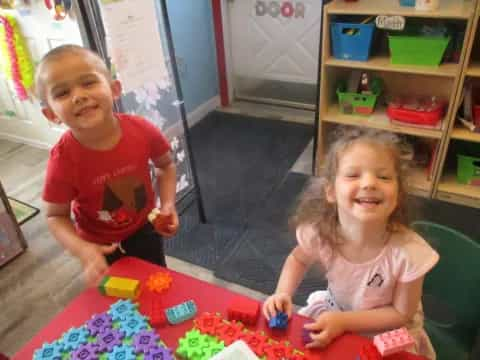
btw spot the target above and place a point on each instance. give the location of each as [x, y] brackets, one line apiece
[165, 220]
[326, 328]
[94, 264]
[277, 302]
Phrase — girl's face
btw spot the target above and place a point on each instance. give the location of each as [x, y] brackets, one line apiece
[366, 184]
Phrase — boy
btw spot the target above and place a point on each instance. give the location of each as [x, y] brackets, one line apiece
[100, 166]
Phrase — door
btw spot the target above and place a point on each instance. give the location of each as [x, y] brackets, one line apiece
[274, 48]
[22, 120]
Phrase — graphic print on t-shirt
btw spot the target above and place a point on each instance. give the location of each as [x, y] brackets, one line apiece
[123, 198]
[376, 280]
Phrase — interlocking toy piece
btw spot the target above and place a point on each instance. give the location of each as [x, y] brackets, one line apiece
[160, 221]
[120, 287]
[369, 352]
[158, 353]
[393, 341]
[122, 309]
[144, 341]
[49, 351]
[306, 338]
[123, 352]
[74, 337]
[133, 324]
[181, 312]
[156, 312]
[237, 351]
[243, 309]
[279, 321]
[159, 281]
[230, 331]
[99, 323]
[208, 323]
[86, 352]
[278, 351]
[108, 339]
[191, 345]
[256, 340]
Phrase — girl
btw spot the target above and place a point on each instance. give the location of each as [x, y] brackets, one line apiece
[351, 221]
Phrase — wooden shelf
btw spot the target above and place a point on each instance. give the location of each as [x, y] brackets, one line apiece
[449, 9]
[450, 190]
[378, 120]
[474, 69]
[418, 184]
[382, 63]
[460, 133]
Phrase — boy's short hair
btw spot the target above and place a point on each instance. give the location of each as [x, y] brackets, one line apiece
[59, 51]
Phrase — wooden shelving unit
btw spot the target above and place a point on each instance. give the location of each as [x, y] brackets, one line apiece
[443, 81]
[447, 188]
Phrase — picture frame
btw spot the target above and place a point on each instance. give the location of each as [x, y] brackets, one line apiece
[12, 241]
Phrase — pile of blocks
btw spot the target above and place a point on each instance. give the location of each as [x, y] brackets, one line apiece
[119, 333]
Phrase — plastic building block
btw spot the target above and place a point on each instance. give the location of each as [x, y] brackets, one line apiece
[122, 309]
[99, 323]
[119, 287]
[144, 341]
[181, 312]
[133, 324]
[108, 339]
[278, 351]
[208, 323]
[237, 351]
[244, 310]
[369, 352]
[191, 346]
[156, 313]
[160, 221]
[74, 337]
[214, 347]
[123, 352]
[306, 338]
[393, 341]
[279, 321]
[159, 281]
[230, 332]
[159, 352]
[49, 351]
[86, 352]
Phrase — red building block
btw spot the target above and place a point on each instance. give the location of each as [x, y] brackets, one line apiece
[244, 310]
[278, 351]
[229, 332]
[156, 313]
[393, 341]
[208, 323]
[257, 341]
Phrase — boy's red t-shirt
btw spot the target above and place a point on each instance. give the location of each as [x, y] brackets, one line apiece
[110, 191]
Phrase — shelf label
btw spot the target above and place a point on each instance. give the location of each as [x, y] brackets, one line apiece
[395, 22]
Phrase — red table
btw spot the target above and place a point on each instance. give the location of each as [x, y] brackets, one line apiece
[208, 297]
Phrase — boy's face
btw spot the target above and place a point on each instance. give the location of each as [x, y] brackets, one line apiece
[78, 93]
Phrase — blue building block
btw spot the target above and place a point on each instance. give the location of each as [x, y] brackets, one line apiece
[278, 321]
[181, 312]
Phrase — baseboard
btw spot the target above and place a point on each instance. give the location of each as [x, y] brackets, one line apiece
[195, 116]
[22, 140]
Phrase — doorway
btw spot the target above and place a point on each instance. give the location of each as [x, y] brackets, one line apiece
[273, 46]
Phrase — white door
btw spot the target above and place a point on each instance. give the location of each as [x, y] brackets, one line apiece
[274, 42]
[22, 120]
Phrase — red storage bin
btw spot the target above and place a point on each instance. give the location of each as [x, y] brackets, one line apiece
[424, 111]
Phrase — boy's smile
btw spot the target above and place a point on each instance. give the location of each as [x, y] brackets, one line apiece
[78, 93]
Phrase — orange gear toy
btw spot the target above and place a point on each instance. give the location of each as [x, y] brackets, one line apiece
[159, 281]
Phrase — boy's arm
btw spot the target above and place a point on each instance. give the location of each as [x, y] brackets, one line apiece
[405, 304]
[167, 188]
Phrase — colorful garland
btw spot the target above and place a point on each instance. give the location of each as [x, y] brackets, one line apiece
[17, 64]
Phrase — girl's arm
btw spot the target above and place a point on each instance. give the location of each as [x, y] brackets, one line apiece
[329, 325]
[292, 274]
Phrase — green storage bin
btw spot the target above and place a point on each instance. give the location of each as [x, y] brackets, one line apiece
[355, 103]
[417, 49]
[468, 170]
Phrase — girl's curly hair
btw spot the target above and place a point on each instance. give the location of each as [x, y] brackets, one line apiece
[314, 209]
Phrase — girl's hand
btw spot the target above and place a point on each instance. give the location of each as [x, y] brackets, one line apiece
[277, 302]
[94, 264]
[326, 328]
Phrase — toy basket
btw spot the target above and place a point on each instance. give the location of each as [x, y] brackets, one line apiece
[417, 49]
[355, 103]
[351, 41]
[468, 170]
